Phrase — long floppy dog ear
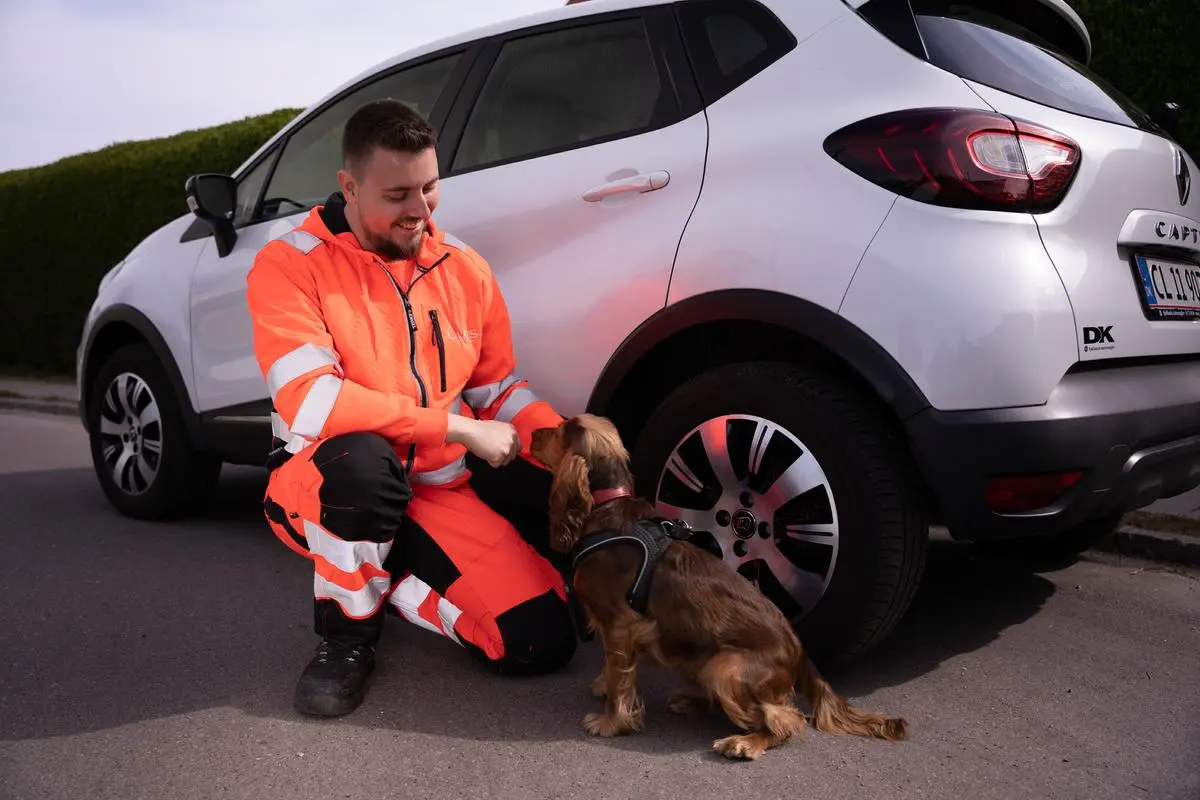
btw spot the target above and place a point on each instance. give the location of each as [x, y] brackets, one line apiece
[570, 502]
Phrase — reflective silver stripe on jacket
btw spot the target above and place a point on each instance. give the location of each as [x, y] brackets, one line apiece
[311, 417]
[303, 241]
[481, 397]
[318, 403]
[453, 241]
[512, 405]
[441, 475]
[305, 358]
[292, 443]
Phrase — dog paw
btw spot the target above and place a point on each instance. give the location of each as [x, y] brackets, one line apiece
[599, 688]
[739, 747]
[689, 704]
[598, 724]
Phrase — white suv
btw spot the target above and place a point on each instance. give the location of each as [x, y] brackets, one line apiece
[841, 270]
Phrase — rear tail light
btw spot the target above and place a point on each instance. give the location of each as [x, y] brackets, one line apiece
[1016, 493]
[960, 158]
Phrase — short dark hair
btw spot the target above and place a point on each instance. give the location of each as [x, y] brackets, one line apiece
[390, 124]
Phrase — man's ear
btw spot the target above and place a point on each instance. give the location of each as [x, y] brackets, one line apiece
[570, 503]
[348, 184]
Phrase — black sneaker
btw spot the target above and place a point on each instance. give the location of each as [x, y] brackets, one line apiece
[335, 680]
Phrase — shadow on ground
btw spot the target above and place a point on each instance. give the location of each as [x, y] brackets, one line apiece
[965, 602]
[122, 621]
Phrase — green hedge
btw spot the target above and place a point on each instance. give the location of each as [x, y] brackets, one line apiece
[63, 225]
[1147, 49]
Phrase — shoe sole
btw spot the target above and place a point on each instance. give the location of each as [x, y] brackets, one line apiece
[327, 705]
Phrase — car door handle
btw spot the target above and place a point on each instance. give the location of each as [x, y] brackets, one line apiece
[646, 182]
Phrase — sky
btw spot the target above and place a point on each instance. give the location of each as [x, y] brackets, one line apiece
[77, 75]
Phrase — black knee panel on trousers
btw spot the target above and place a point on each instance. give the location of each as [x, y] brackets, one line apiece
[364, 491]
[539, 637]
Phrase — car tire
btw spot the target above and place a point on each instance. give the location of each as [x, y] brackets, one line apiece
[865, 517]
[137, 430]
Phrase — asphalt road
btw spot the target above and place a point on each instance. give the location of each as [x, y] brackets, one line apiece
[157, 661]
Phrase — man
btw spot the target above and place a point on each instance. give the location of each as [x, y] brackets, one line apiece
[386, 347]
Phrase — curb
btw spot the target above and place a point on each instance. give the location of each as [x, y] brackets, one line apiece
[1160, 546]
[41, 405]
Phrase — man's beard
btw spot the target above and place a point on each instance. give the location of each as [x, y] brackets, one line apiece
[390, 251]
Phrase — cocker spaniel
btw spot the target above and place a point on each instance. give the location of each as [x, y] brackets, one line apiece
[648, 592]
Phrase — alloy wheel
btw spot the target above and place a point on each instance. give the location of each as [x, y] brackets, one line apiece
[131, 435]
[765, 499]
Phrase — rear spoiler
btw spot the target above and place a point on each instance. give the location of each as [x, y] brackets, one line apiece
[1053, 21]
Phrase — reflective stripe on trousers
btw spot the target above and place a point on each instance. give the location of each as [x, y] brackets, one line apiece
[440, 557]
[421, 605]
[352, 574]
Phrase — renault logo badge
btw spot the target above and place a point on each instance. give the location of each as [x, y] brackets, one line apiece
[1183, 177]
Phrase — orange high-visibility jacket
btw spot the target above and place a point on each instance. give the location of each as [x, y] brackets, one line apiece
[350, 343]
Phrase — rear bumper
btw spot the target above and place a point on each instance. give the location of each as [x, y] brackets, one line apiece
[1134, 431]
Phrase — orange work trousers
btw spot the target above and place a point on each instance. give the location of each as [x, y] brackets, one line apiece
[437, 556]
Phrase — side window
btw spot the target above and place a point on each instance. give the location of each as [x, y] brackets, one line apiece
[731, 41]
[307, 171]
[566, 88]
[249, 188]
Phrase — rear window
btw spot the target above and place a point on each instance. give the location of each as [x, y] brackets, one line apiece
[992, 51]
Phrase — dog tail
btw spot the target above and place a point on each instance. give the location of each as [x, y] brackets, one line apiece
[832, 714]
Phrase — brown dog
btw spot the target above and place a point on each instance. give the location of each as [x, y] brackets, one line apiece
[700, 618]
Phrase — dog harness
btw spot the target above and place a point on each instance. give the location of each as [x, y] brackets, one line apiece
[653, 535]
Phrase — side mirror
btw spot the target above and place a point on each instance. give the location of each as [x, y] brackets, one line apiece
[1167, 116]
[213, 198]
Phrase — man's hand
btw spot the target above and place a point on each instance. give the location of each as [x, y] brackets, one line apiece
[497, 443]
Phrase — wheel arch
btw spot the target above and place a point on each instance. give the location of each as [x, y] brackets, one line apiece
[122, 325]
[698, 333]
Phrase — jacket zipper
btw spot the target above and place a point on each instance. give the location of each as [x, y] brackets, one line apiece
[412, 343]
[412, 355]
[441, 345]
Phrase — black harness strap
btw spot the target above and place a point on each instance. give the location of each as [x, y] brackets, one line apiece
[652, 535]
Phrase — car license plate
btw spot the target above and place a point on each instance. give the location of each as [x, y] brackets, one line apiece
[1170, 289]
